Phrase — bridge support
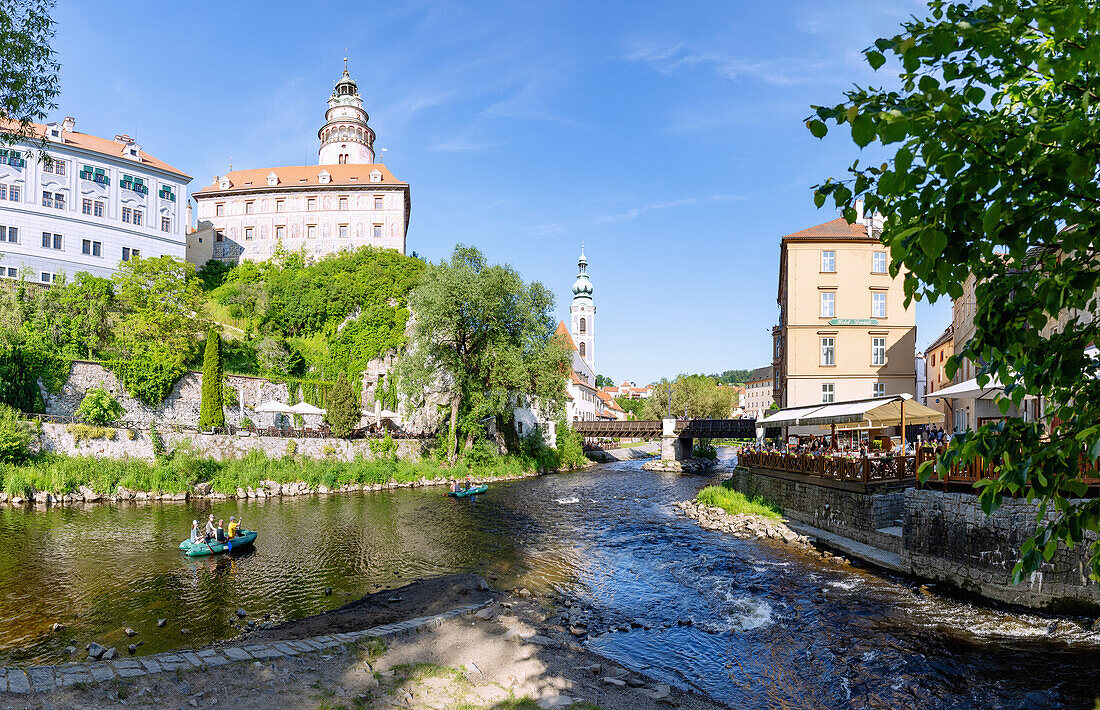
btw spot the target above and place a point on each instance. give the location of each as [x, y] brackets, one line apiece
[673, 446]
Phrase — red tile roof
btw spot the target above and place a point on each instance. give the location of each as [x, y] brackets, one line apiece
[305, 176]
[833, 229]
[562, 332]
[105, 146]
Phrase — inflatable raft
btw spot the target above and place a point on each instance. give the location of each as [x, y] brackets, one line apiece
[463, 493]
[244, 539]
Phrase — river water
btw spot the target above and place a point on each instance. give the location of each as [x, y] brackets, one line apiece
[769, 627]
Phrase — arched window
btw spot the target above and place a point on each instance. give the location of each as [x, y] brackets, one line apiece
[582, 348]
[583, 327]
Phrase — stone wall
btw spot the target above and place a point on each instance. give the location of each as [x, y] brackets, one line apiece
[944, 537]
[858, 516]
[948, 538]
[58, 438]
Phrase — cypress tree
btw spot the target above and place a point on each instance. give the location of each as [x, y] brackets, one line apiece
[342, 414]
[211, 413]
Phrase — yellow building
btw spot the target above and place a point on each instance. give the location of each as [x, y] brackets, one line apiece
[844, 332]
[935, 359]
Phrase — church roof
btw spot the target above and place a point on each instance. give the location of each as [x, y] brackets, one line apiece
[350, 175]
[104, 146]
[562, 332]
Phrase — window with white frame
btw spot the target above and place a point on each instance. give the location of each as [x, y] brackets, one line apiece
[878, 305]
[377, 231]
[343, 231]
[878, 389]
[248, 207]
[828, 393]
[138, 216]
[219, 209]
[343, 202]
[52, 241]
[311, 231]
[9, 234]
[311, 203]
[878, 262]
[248, 234]
[280, 231]
[91, 248]
[127, 215]
[128, 253]
[46, 277]
[377, 202]
[165, 224]
[878, 351]
[280, 205]
[86, 206]
[13, 193]
[828, 351]
[828, 261]
[99, 208]
[828, 304]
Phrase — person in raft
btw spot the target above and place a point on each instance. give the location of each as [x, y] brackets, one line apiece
[232, 532]
[211, 529]
[219, 533]
[469, 482]
[196, 533]
[454, 485]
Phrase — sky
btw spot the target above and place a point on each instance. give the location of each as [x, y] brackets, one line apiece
[668, 138]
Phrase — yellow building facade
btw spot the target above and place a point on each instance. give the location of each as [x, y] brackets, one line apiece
[844, 332]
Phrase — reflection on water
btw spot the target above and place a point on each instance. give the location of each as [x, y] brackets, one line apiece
[744, 621]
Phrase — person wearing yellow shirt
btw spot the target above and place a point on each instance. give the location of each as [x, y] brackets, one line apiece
[232, 527]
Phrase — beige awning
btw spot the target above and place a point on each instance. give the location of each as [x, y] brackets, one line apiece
[871, 413]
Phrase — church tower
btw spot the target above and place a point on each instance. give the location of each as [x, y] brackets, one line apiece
[346, 138]
[582, 313]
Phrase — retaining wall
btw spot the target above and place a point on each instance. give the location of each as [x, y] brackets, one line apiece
[948, 538]
[945, 537]
[58, 438]
[858, 516]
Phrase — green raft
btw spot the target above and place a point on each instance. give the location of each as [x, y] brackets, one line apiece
[468, 491]
[200, 549]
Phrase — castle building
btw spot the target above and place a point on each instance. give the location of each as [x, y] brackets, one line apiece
[346, 201]
[582, 315]
[79, 202]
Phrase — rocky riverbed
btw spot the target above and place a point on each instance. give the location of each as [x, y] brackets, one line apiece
[742, 525]
[515, 653]
[692, 465]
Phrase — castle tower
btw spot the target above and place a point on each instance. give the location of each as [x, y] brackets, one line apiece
[582, 315]
[346, 137]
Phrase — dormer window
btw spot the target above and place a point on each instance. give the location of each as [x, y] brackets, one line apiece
[376, 176]
[272, 179]
[323, 177]
[223, 183]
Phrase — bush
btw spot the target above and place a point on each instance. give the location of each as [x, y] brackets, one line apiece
[705, 451]
[147, 376]
[735, 502]
[570, 447]
[99, 407]
[16, 436]
[211, 411]
[86, 432]
[342, 413]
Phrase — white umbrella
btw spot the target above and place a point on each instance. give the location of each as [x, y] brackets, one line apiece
[273, 406]
[305, 408]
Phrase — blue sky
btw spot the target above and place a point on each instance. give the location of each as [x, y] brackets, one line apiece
[668, 137]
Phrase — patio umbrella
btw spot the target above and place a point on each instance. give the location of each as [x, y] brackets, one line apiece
[273, 406]
[305, 408]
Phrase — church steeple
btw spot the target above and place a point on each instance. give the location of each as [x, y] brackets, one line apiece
[582, 314]
[346, 137]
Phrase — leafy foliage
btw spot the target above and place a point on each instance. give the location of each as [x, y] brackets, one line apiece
[342, 413]
[28, 75]
[16, 436]
[483, 338]
[602, 381]
[631, 406]
[732, 377]
[146, 377]
[211, 410]
[993, 177]
[99, 407]
[697, 396]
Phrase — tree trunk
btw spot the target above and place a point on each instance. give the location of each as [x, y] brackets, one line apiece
[452, 454]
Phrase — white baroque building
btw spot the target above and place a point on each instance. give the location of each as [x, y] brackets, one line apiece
[93, 203]
[344, 202]
[582, 314]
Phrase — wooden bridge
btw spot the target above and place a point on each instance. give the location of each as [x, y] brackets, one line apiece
[683, 429]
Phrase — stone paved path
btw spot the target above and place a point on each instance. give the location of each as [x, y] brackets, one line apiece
[46, 678]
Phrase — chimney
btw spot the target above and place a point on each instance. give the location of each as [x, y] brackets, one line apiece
[859, 211]
[189, 228]
[69, 124]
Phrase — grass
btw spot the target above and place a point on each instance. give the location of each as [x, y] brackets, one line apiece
[735, 502]
[419, 671]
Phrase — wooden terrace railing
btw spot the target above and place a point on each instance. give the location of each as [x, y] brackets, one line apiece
[875, 470]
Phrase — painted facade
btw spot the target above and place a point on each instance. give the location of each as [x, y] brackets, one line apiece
[844, 332]
[757, 396]
[344, 202]
[84, 203]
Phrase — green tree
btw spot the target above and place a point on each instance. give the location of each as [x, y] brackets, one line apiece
[631, 406]
[211, 409]
[160, 300]
[86, 308]
[602, 381]
[16, 436]
[28, 74]
[342, 410]
[698, 396]
[993, 173]
[482, 338]
[99, 407]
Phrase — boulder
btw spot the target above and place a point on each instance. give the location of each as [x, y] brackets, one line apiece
[131, 632]
[241, 493]
[89, 495]
[162, 622]
[95, 651]
[109, 654]
[124, 493]
[242, 613]
[203, 489]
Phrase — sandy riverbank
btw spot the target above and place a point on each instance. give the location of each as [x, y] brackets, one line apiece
[517, 653]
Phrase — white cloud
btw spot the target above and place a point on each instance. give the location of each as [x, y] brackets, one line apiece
[782, 71]
[548, 230]
[656, 206]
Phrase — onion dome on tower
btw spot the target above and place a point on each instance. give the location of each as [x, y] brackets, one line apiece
[582, 287]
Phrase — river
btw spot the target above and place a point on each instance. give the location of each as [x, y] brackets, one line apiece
[769, 627]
